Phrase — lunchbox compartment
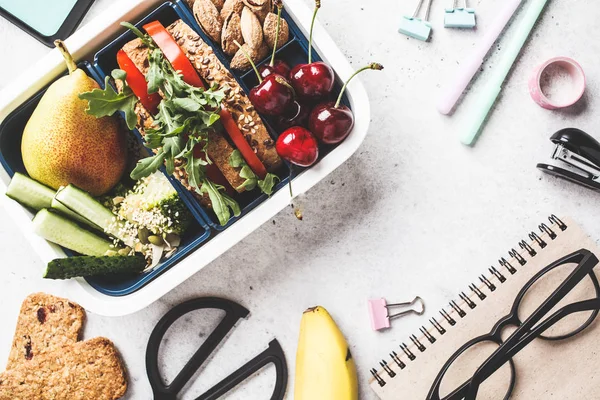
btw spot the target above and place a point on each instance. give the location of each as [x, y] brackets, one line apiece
[11, 132]
[105, 62]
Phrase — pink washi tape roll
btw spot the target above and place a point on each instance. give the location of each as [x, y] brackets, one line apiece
[557, 83]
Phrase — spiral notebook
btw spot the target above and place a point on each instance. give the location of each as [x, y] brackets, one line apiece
[563, 369]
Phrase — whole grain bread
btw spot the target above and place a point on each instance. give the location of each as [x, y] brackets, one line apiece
[81, 371]
[219, 150]
[237, 102]
[45, 323]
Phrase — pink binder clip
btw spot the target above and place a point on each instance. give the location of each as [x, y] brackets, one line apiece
[380, 316]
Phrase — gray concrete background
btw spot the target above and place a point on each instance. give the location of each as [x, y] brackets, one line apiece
[413, 212]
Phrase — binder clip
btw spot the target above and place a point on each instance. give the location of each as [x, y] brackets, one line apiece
[415, 27]
[460, 17]
[380, 316]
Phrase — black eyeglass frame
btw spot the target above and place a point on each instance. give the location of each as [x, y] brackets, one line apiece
[526, 332]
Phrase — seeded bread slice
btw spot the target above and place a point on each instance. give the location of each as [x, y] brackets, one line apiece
[45, 323]
[81, 371]
[213, 71]
[219, 150]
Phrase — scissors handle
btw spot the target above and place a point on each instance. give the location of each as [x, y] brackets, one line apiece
[274, 354]
[233, 313]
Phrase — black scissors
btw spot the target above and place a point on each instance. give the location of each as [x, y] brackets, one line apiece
[233, 313]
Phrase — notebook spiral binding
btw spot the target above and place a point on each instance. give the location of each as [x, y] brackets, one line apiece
[535, 241]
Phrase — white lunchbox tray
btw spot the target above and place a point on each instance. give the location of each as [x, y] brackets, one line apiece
[83, 44]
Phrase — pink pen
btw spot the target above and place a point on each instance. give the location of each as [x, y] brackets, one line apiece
[471, 65]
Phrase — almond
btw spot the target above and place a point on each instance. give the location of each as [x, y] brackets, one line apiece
[219, 4]
[251, 28]
[208, 17]
[270, 29]
[232, 30]
[259, 7]
[240, 62]
[231, 6]
[262, 52]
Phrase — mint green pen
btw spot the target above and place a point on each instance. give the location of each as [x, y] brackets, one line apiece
[490, 92]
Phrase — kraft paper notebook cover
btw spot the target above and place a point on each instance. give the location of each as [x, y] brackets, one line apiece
[564, 369]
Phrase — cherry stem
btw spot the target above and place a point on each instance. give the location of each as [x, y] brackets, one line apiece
[276, 34]
[290, 182]
[373, 66]
[66, 55]
[249, 59]
[312, 26]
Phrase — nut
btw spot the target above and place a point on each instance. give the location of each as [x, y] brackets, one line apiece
[232, 30]
[209, 19]
[251, 29]
[240, 62]
[263, 51]
[218, 4]
[231, 6]
[259, 7]
[270, 30]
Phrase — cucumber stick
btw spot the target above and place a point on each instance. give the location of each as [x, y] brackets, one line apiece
[83, 204]
[66, 233]
[29, 192]
[72, 267]
[64, 210]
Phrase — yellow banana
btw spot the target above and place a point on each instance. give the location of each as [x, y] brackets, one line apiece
[325, 369]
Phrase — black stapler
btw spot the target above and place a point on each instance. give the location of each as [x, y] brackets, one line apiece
[579, 154]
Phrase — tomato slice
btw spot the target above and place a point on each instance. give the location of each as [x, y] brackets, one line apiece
[240, 142]
[173, 52]
[180, 62]
[137, 82]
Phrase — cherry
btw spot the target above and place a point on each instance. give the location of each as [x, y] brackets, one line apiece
[273, 95]
[298, 146]
[332, 122]
[275, 67]
[312, 81]
[296, 115]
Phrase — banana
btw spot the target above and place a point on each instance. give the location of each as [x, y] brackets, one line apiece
[325, 369]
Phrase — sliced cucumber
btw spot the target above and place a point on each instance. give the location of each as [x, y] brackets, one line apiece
[72, 267]
[30, 192]
[66, 233]
[83, 204]
[67, 212]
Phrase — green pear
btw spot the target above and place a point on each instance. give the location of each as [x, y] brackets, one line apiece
[62, 144]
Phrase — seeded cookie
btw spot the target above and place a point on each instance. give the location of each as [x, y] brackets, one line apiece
[45, 323]
[81, 371]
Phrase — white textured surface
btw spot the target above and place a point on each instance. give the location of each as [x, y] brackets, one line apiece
[413, 212]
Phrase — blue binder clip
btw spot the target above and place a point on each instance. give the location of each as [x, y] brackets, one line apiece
[416, 27]
[460, 17]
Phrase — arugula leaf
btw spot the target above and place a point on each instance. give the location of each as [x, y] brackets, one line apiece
[187, 104]
[155, 77]
[221, 202]
[103, 103]
[236, 160]
[147, 166]
[251, 180]
[146, 39]
[268, 184]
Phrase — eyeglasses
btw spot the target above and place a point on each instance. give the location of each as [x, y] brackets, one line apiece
[543, 309]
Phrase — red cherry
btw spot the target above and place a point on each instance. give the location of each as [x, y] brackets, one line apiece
[312, 81]
[273, 96]
[295, 115]
[329, 123]
[298, 146]
[332, 122]
[278, 67]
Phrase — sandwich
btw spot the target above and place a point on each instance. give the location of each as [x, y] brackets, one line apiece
[193, 114]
